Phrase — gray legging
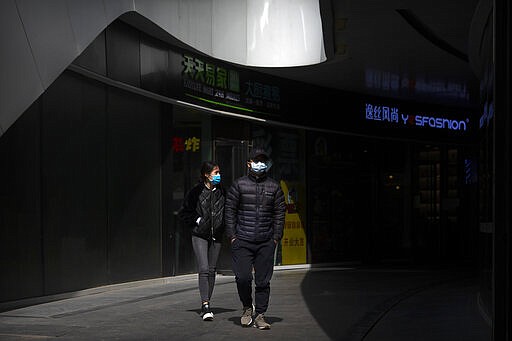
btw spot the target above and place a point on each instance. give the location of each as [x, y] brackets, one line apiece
[207, 254]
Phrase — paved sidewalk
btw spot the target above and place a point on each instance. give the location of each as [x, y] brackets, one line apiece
[333, 303]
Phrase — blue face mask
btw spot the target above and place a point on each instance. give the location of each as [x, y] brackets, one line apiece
[258, 167]
[215, 179]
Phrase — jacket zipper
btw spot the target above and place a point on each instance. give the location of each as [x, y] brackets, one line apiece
[258, 199]
[211, 214]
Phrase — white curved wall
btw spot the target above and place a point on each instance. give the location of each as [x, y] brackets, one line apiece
[41, 38]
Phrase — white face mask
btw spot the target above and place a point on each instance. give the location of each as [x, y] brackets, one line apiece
[259, 167]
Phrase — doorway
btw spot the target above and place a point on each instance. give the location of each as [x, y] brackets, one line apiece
[231, 155]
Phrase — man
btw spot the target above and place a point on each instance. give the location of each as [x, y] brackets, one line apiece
[254, 217]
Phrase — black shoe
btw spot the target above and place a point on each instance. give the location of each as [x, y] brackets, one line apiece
[206, 312]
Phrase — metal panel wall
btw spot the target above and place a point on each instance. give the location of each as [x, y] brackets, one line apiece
[133, 177]
[94, 56]
[81, 204]
[43, 21]
[123, 58]
[73, 180]
[21, 266]
[21, 83]
[154, 63]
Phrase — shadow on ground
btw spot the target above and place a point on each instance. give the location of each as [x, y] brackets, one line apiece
[349, 304]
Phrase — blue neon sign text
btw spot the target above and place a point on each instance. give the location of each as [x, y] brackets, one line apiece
[393, 115]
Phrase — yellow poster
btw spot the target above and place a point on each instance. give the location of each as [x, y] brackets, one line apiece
[293, 244]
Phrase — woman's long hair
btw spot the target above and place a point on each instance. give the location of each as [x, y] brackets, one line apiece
[206, 168]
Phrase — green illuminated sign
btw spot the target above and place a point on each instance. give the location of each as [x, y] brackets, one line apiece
[221, 85]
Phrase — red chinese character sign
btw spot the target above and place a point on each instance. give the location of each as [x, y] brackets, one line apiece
[185, 144]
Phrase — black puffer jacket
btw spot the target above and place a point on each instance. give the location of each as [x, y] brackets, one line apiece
[255, 209]
[207, 204]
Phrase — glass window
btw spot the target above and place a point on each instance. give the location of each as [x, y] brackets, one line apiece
[191, 144]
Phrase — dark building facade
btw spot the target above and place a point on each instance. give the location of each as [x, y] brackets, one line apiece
[95, 169]
[98, 165]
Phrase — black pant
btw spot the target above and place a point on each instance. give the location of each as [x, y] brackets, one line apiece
[207, 254]
[260, 256]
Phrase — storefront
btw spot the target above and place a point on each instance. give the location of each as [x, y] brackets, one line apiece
[198, 135]
[101, 161]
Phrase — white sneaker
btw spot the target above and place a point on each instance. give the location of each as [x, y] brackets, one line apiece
[206, 312]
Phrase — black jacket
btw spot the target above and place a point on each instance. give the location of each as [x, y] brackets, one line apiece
[255, 209]
[207, 204]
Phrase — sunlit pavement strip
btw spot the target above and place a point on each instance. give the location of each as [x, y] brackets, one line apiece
[302, 302]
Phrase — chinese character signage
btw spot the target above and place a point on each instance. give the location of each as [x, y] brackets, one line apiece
[225, 87]
[392, 115]
[293, 243]
[185, 144]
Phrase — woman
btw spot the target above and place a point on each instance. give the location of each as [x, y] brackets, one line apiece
[203, 212]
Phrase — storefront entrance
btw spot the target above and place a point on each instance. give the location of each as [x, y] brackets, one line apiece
[231, 155]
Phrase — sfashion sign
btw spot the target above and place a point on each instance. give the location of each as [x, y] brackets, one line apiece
[393, 115]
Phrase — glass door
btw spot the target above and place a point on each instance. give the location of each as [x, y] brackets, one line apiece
[231, 155]
[426, 203]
